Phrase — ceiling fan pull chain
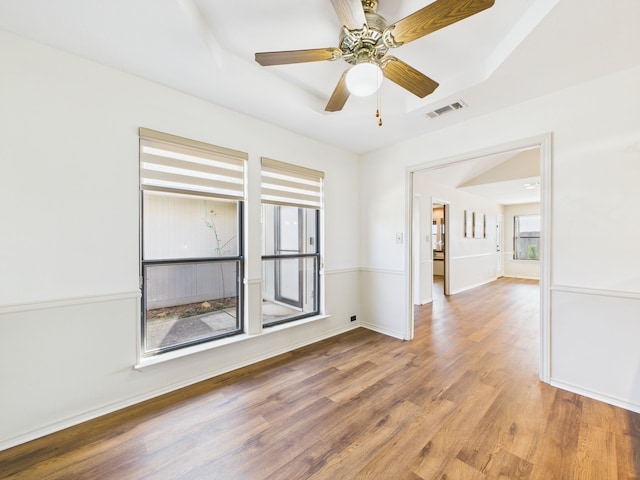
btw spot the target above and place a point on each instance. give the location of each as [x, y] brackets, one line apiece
[379, 99]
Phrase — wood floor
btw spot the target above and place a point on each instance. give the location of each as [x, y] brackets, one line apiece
[461, 401]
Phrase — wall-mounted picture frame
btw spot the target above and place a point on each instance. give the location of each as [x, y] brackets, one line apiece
[468, 224]
[479, 225]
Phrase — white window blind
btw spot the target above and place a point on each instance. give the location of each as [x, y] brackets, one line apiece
[286, 184]
[174, 164]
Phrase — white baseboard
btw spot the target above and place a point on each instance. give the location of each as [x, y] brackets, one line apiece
[384, 331]
[424, 301]
[596, 396]
[524, 277]
[469, 287]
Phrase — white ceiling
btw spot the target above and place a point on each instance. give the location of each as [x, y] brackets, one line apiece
[514, 51]
[471, 176]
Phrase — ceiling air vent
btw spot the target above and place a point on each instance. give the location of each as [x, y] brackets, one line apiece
[438, 112]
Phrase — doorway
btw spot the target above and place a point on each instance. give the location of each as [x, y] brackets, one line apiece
[439, 225]
[485, 265]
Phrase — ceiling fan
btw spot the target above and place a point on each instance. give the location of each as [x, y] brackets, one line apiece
[365, 39]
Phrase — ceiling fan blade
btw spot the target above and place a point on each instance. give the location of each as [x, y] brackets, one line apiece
[339, 96]
[408, 77]
[435, 16]
[350, 13]
[298, 56]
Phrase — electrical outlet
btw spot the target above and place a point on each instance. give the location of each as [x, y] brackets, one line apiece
[353, 318]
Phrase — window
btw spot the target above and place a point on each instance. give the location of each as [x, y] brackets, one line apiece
[291, 205]
[526, 237]
[191, 248]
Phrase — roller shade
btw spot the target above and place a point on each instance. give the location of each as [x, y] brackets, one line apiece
[286, 184]
[174, 164]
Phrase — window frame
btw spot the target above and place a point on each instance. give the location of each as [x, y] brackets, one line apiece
[238, 259]
[301, 257]
[517, 237]
[285, 184]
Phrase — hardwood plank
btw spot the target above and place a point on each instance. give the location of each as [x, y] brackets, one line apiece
[596, 454]
[342, 463]
[530, 421]
[458, 470]
[494, 431]
[260, 455]
[443, 447]
[405, 448]
[506, 466]
[628, 457]
[561, 436]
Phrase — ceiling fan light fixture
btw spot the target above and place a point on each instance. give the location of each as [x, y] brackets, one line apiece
[364, 79]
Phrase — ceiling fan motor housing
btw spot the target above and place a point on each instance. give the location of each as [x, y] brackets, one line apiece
[366, 44]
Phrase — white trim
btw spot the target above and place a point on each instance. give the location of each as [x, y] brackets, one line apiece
[65, 302]
[339, 271]
[383, 271]
[596, 291]
[161, 358]
[524, 277]
[294, 323]
[520, 145]
[596, 395]
[383, 331]
[409, 324]
[546, 157]
[544, 143]
[145, 362]
[475, 285]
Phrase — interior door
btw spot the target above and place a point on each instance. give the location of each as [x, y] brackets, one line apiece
[288, 241]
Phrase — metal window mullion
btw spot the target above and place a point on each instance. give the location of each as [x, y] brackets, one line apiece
[291, 255]
[169, 261]
[241, 267]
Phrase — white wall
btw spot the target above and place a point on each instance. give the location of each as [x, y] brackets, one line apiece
[69, 252]
[595, 168]
[518, 268]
